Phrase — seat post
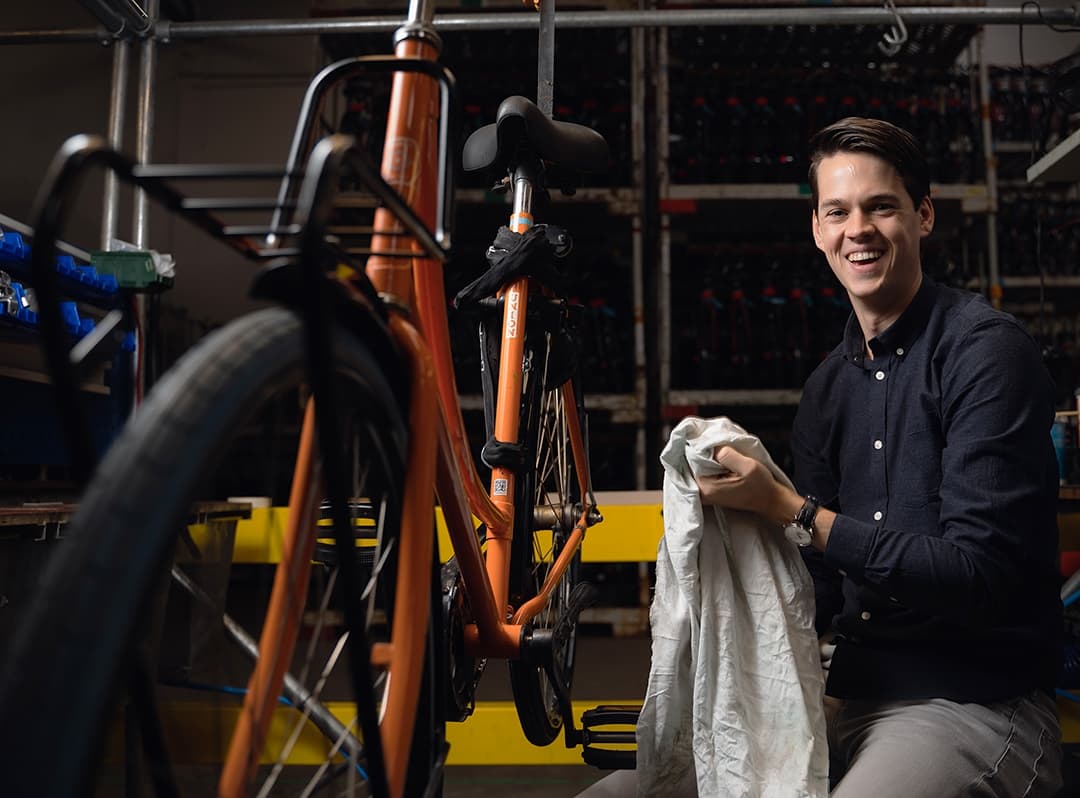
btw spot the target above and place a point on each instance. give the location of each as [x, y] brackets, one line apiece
[526, 175]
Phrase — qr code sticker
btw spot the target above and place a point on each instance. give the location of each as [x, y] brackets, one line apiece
[500, 487]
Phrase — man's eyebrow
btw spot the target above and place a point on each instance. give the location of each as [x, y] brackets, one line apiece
[839, 203]
[886, 196]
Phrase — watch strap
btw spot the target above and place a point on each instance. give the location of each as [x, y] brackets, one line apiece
[807, 513]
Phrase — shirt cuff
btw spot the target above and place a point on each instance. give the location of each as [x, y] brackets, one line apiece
[849, 546]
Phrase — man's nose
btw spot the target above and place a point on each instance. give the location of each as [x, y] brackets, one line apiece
[859, 224]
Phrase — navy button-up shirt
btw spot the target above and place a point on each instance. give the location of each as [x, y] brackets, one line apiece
[940, 575]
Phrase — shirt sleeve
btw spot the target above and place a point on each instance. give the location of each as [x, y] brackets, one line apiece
[998, 483]
[814, 476]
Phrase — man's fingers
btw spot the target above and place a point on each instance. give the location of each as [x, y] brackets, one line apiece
[730, 459]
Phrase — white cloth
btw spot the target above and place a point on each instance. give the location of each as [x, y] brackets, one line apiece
[735, 686]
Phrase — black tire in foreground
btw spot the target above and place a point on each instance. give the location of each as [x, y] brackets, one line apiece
[223, 422]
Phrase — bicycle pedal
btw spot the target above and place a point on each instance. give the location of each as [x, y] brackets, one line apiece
[605, 727]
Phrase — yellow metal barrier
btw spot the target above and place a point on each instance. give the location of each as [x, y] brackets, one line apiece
[631, 531]
[198, 734]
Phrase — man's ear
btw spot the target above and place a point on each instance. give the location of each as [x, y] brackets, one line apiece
[926, 217]
[815, 226]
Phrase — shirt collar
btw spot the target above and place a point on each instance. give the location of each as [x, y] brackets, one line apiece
[901, 334]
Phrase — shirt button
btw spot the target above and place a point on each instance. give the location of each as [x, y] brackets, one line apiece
[865, 616]
[880, 375]
[878, 444]
[899, 350]
[878, 515]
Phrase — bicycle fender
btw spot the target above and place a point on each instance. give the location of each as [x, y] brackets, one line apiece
[352, 301]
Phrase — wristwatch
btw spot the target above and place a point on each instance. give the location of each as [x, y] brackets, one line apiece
[800, 530]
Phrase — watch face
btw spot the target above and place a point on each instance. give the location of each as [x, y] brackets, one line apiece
[797, 535]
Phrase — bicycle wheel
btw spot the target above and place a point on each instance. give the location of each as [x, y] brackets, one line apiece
[224, 422]
[547, 504]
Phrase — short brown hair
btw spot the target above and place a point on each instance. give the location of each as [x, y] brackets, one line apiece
[886, 141]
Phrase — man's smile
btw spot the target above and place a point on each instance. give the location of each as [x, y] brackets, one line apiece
[864, 256]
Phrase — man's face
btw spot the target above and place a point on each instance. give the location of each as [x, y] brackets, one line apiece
[869, 230]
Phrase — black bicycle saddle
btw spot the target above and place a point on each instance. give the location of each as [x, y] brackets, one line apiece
[519, 122]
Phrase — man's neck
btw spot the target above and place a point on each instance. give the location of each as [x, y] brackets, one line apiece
[873, 321]
[873, 324]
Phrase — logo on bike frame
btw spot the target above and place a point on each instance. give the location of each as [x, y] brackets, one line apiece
[403, 164]
[513, 302]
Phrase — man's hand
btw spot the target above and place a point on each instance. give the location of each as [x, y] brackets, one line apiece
[746, 484]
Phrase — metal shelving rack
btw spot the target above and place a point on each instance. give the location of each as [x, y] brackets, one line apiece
[1060, 165]
[978, 198]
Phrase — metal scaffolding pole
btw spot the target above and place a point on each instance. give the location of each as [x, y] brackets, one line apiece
[832, 15]
[144, 121]
[117, 103]
[663, 167]
[164, 30]
[144, 136]
[638, 76]
[991, 175]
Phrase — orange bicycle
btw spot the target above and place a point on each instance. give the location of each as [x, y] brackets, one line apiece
[339, 402]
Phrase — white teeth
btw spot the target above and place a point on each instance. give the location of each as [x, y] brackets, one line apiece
[859, 257]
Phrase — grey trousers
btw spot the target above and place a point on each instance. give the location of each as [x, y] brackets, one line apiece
[939, 749]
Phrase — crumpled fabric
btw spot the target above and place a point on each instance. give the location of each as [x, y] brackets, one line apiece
[734, 703]
[534, 253]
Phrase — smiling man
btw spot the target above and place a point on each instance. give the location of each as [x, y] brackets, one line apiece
[926, 506]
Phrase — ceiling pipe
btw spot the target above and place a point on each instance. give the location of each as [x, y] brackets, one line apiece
[137, 22]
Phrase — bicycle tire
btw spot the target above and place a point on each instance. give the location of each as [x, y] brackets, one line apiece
[549, 482]
[71, 652]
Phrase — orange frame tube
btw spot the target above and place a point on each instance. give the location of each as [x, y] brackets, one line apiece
[408, 634]
[507, 426]
[411, 133]
[534, 606]
[287, 600]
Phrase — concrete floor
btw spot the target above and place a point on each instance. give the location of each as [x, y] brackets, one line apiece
[567, 782]
[541, 781]
[608, 668]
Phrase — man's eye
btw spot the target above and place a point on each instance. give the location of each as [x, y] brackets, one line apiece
[835, 212]
[883, 207]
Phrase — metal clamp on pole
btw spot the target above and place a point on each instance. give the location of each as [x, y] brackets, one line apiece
[897, 35]
[120, 16]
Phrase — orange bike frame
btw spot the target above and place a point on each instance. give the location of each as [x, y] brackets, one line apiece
[409, 165]
[437, 431]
